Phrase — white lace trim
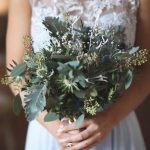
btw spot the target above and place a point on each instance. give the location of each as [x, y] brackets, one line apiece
[104, 3]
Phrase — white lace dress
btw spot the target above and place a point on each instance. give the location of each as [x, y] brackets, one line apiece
[126, 135]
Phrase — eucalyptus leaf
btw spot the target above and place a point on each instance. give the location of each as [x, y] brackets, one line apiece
[63, 68]
[128, 79]
[73, 64]
[79, 94]
[121, 55]
[93, 92]
[71, 74]
[133, 50]
[51, 116]
[79, 121]
[35, 80]
[113, 76]
[17, 104]
[18, 70]
[79, 23]
[82, 81]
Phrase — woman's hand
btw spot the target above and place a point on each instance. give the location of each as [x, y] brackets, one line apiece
[92, 132]
[60, 135]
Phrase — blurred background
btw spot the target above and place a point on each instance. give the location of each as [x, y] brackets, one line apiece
[12, 128]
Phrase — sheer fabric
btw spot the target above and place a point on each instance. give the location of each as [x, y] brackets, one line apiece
[105, 13]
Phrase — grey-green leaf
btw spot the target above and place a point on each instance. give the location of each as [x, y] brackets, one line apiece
[79, 121]
[128, 80]
[17, 104]
[79, 94]
[73, 64]
[51, 116]
[93, 93]
[30, 64]
[54, 25]
[71, 74]
[18, 70]
[82, 81]
[35, 101]
[134, 50]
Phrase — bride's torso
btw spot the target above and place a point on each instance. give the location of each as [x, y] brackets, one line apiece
[108, 13]
[104, 12]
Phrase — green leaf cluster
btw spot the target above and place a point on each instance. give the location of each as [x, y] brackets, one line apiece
[82, 69]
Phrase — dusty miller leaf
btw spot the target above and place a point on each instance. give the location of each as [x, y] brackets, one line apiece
[35, 101]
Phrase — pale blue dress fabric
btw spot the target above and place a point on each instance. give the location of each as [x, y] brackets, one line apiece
[126, 135]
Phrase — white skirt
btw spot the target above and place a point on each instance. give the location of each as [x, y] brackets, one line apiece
[125, 136]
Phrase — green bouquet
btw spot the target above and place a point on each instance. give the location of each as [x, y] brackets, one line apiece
[81, 71]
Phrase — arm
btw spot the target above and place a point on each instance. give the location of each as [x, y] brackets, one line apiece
[140, 88]
[18, 26]
[98, 127]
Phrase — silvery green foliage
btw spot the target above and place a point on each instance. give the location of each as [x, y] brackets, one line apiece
[35, 101]
[82, 68]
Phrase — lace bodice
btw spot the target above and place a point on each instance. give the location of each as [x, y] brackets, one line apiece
[102, 12]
